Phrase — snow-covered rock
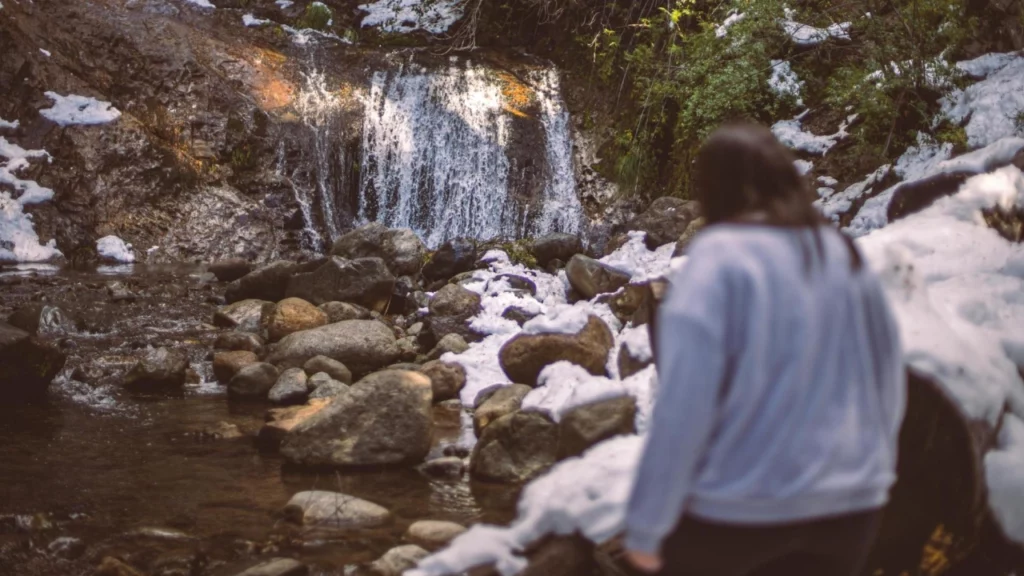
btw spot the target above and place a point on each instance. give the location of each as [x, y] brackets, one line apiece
[74, 110]
[404, 16]
[113, 249]
[991, 107]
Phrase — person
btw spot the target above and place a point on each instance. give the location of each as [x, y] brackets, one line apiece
[772, 445]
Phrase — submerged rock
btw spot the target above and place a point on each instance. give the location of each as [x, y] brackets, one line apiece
[290, 388]
[230, 269]
[238, 342]
[386, 418]
[361, 345]
[253, 381]
[453, 257]
[515, 448]
[396, 561]
[293, 315]
[447, 380]
[400, 248]
[524, 356]
[227, 364]
[324, 509]
[587, 425]
[160, 369]
[497, 402]
[433, 534]
[590, 277]
[364, 281]
[556, 247]
[244, 315]
[27, 364]
[281, 420]
[277, 567]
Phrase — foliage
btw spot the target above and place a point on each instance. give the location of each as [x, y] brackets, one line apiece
[317, 16]
[519, 253]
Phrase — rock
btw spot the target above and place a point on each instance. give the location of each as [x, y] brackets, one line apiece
[500, 401]
[665, 220]
[277, 567]
[590, 277]
[451, 343]
[519, 284]
[67, 547]
[585, 426]
[293, 315]
[556, 247]
[630, 364]
[290, 387]
[336, 370]
[41, 319]
[415, 329]
[111, 566]
[281, 420]
[396, 561]
[361, 345]
[446, 379]
[120, 293]
[365, 281]
[221, 431]
[159, 369]
[525, 355]
[341, 311]
[238, 342]
[244, 315]
[230, 269]
[329, 389]
[324, 509]
[227, 364]
[515, 448]
[691, 232]
[561, 555]
[27, 364]
[518, 315]
[268, 282]
[433, 534]
[319, 379]
[400, 248]
[253, 381]
[385, 419]
[454, 300]
[453, 257]
[444, 467]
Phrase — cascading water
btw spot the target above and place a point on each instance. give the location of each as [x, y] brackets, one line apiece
[435, 158]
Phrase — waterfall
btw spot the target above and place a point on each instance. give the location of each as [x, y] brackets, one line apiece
[435, 155]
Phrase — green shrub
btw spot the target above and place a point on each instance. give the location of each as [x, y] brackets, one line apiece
[317, 16]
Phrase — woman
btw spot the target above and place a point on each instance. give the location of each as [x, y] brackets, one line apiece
[773, 442]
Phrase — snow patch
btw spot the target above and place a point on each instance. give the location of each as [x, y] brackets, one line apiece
[9, 125]
[804, 167]
[112, 248]
[805, 35]
[992, 107]
[201, 3]
[784, 82]
[45, 52]
[636, 260]
[1003, 467]
[792, 135]
[79, 110]
[722, 30]
[404, 16]
[283, 4]
[250, 20]
[18, 239]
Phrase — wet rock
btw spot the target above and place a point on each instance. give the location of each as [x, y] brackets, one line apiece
[494, 403]
[556, 247]
[290, 387]
[361, 345]
[328, 388]
[444, 467]
[280, 420]
[691, 232]
[221, 431]
[41, 319]
[160, 369]
[253, 381]
[365, 281]
[400, 248]
[227, 364]
[324, 509]
[111, 566]
[90, 374]
[118, 292]
[277, 567]
[268, 282]
[341, 311]
[518, 315]
[453, 257]
[524, 356]
[27, 364]
[665, 220]
[515, 448]
[238, 342]
[627, 301]
[587, 425]
[244, 315]
[446, 380]
[519, 284]
[451, 343]
[67, 547]
[433, 534]
[409, 349]
[590, 277]
[386, 418]
[230, 269]
[454, 300]
[415, 329]
[396, 561]
[332, 368]
[293, 315]
[560, 555]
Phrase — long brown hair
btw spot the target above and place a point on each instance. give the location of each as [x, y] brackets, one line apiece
[743, 170]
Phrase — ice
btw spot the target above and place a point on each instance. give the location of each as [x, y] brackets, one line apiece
[404, 16]
[113, 248]
[722, 30]
[1004, 474]
[993, 107]
[79, 110]
[784, 83]
[805, 36]
[250, 20]
[792, 135]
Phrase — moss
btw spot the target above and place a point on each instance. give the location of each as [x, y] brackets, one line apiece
[317, 16]
[955, 135]
[519, 252]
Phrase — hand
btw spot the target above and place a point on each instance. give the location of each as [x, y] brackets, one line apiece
[644, 562]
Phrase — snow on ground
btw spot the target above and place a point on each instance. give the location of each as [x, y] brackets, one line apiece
[8, 124]
[201, 3]
[18, 239]
[113, 248]
[784, 83]
[636, 260]
[45, 52]
[792, 135]
[250, 20]
[404, 16]
[805, 35]
[1003, 467]
[994, 107]
[307, 36]
[283, 4]
[74, 110]
[722, 30]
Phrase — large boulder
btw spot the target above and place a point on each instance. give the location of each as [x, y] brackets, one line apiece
[515, 448]
[524, 356]
[433, 534]
[321, 509]
[396, 561]
[447, 380]
[453, 257]
[400, 248]
[683, 244]
[239, 341]
[230, 269]
[253, 381]
[227, 364]
[293, 315]
[244, 315]
[450, 311]
[41, 319]
[361, 345]
[269, 282]
[290, 387]
[364, 281]
[556, 247]
[281, 420]
[160, 369]
[665, 220]
[496, 402]
[585, 426]
[385, 419]
[590, 277]
[336, 370]
[27, 364]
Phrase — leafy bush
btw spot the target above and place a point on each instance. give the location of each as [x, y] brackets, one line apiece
[317, 16]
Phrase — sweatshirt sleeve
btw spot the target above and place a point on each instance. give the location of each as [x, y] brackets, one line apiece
[691, 365]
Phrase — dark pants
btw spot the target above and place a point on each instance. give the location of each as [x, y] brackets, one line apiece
[836, 546]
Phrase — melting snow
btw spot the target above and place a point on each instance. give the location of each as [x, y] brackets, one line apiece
[790, 133]
[784, 83]
[8, 124]
[1003, 467]
[250, 20]
[113, 248]
[45, 52]
[805, 35]
[722, 30]
[404, 16]
[993, 106]
[74, 110]
[18, 239]
[283, 4]
[201, 3]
